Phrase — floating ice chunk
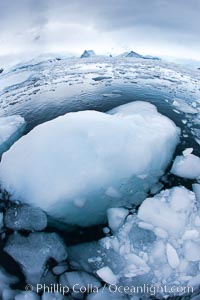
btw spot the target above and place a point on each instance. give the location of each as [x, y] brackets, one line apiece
[105, 294]
[33, 252]
[77, 279]
[60, 268]
[1, 220]
[192, 251]
[54, 296]
[192, 234]
[27, 296]
[134, 108]
[6, 280]
[196, 189]
[8, 294]
[172, 256]
[181, 105]
[116, 217]
[11, 128]
[186, 166]
[107, 275]
[187, 151]
[18, 217]
[80, 156]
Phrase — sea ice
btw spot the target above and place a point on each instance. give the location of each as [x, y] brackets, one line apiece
[27, 296]
[6, 280]
[22, 216]
[11, 128]
[77, 166]
[187, 166]
[136, 256]
[182, 106]
[34, 251]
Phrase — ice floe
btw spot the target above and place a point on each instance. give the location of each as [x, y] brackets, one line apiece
[77, 166]
[11, 128]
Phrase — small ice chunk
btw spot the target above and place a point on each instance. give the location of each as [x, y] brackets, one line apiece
[79, 278]
[107, 275]
[172, 256]
[53, 296]
[6, 280]
[1, 220]
[9, 294]
[182, 106]
[192, 251]
[27, 296]
[33, 252]
[196, 189]
[116, 217]
[161, 232]
[18, 217]
[105, 294]
[186, 166]
[60, 268]
[187, 151]
[192, 234]
[11, 129]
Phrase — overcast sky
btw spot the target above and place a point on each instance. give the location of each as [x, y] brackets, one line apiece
[155, 27]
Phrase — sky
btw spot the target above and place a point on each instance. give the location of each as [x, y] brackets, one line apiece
[154, 27]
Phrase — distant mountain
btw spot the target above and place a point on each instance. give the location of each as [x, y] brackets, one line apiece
[88, 53]
[137, 55]
[1, 70]
[133, 54]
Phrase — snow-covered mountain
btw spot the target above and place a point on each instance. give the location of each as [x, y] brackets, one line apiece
[88, 53]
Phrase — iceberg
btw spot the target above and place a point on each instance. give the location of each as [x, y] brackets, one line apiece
[11, 128]
[77, 166]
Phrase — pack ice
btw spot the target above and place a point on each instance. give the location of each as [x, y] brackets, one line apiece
[159, 247]
[77, 166]
[11, 128]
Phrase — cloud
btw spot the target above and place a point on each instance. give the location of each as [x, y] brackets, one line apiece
[154, 27]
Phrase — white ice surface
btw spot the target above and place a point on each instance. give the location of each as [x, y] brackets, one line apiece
[186, 166]
[77, 166]
[138, 255]
[11, 129]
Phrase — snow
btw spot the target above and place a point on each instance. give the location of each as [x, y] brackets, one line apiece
[186, 166]
[72, 166]
[11, 128]
[18, 217]
[137, 255]
[33, 252]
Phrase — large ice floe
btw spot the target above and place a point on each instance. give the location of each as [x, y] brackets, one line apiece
[155, 251]
[77, 166]
[11, 128]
